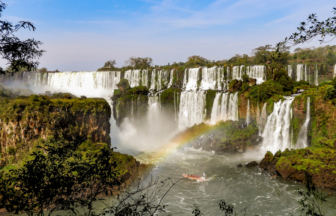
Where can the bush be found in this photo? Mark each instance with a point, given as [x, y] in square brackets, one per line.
[330, 92]
[123, 85]
[245, 78]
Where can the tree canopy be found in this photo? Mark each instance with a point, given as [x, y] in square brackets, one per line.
[18, 53]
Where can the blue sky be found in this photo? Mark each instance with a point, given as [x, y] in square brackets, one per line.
[83, 34]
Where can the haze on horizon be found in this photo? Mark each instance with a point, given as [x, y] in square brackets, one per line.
[82, 35]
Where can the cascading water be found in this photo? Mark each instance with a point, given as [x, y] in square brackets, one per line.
[191, 111]
[228, 75]
[154, 107]
[133, 77]
[193, 74]
[248, 113]
[263, 120]
[236, 73]
[302, 141]
[290, 71]
[316, 82]
[225, 107]
[171, 80]
[300, 72]
[153, 81]
[209, 78]
[84, 83]
[257, 72]
[276, 134]
[144, 79]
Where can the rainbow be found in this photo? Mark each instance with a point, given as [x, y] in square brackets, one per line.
[178, 142]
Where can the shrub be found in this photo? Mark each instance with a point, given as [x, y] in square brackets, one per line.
[330, 92]
[245, 78]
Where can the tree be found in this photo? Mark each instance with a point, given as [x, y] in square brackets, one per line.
[138, 62]
[59, 177]
[311, 29]
[18, 53]
[110, 64]
[44, 69]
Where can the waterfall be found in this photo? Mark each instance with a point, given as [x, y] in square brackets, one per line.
[144, 78]
[133, 77]
[209, 78]
[192, 105]
[84, 83]
[153, 81]
[228, 77]
[257, 72]
[215, 113]
[290, 71]
[191, 83]
[316, 82]
[263, 119]
[225, 107]
[220, 78]
[236, 73]
[306, 74]
[171, 78]
[185, 79]
[300, 72]
[248, 114]
[302, 141]
[276, 134]
[154, 107]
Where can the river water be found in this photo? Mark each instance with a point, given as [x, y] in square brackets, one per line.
[243, 187]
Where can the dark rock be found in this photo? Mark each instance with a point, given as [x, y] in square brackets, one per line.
[239, 165]
[252, 164]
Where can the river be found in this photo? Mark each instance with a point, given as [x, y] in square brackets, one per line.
[243, 187]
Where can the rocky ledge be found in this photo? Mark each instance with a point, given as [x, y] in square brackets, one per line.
[320, 163]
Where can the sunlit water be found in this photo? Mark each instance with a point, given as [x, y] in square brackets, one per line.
[244, 187]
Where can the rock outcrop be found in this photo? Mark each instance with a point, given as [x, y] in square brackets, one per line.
[24, 121]
[292, 164]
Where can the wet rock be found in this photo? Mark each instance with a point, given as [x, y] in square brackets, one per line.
[239, 165]
[273, 177]
[252, 82]
[252, 164]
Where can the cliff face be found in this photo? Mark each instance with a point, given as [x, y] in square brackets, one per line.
[24, 121]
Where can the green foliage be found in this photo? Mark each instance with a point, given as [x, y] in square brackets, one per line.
[123, 85]
[245, 78]
[265, 91]
[55, 177]
[330, 92]
[245, 87]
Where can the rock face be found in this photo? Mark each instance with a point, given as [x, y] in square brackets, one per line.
[24, 121]
[292, 164]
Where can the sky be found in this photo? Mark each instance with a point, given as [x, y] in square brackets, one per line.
[80, 35]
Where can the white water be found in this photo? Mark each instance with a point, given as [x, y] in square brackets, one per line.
[263, 119]
[225, 107]
[154, 107]
[171, 78]
[248, 113]
[276, 134]
[300, 75]
[228, 75]
[133, 77]
[84, 83]
[144, 80]
[153, 81]
[290, 71]
[192, 108]
[212, 78]
[191, 83]
[302, 141]
[257, 72]
[316, 82]
[236, 73]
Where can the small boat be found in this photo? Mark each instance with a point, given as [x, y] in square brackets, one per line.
[195, 177]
